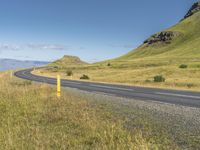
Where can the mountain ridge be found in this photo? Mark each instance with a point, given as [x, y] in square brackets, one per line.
[12, 64]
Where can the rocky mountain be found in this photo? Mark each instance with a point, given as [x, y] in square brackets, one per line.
[12, 64]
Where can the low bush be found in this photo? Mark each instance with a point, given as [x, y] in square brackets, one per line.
[85, 77]
[159, 78]
[147, 81]
[183, 66]
[108, 64]
[55, 67]
[69, 73]
[190, 85]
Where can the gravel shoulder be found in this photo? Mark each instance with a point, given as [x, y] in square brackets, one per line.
[178, 123]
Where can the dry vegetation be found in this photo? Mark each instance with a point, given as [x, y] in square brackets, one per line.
[176, 78]
[33, 118]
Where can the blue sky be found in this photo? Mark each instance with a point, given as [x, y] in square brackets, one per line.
[94, 30]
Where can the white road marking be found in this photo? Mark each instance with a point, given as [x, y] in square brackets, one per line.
[178, 95]
[114, 88]
[24, 73]
[71, 82]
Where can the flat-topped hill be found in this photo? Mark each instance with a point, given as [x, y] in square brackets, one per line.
[68, 61]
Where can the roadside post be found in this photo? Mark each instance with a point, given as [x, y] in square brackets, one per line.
[11, 74]
[58, 86]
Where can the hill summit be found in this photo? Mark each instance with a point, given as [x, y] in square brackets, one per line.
[194, 9]
[68, 61]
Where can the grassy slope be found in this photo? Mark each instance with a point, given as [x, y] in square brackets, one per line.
[139, 66]
[185, 46]
[33, 118]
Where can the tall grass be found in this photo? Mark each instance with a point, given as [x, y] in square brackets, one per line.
[31, 117]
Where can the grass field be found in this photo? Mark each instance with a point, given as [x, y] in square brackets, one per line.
[176, 78]
[33, 118]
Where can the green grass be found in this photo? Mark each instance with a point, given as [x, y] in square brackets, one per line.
[184, 46]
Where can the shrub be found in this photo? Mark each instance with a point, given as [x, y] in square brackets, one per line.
[108, 64]
[55, 67]
[84, 77]
[147, 80]
[69, 73]
[159, 78]
[183, 66]
[190, 85]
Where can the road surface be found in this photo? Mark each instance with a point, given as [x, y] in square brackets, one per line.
[185, 98]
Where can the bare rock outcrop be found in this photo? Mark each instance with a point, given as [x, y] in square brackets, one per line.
[194, 9]
[162, 37]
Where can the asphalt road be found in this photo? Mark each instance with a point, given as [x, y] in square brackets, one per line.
[185, 98]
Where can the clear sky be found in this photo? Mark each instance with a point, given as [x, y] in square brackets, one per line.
[94, 30]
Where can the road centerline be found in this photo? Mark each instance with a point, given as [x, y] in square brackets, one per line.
[109, 87]
[178, 95]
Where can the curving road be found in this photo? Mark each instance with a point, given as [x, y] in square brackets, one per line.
[185, 98]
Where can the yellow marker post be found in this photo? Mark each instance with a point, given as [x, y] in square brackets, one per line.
[58, 86]
[11, 74]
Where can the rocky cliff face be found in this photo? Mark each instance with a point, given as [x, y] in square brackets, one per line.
[162, 37]
[195, 8]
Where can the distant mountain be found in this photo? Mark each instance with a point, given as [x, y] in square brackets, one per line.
[12, 64]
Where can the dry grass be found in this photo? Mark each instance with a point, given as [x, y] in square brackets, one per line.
[176, 78]
[33, 118]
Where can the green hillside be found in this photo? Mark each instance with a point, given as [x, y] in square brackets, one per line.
[179, 41]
